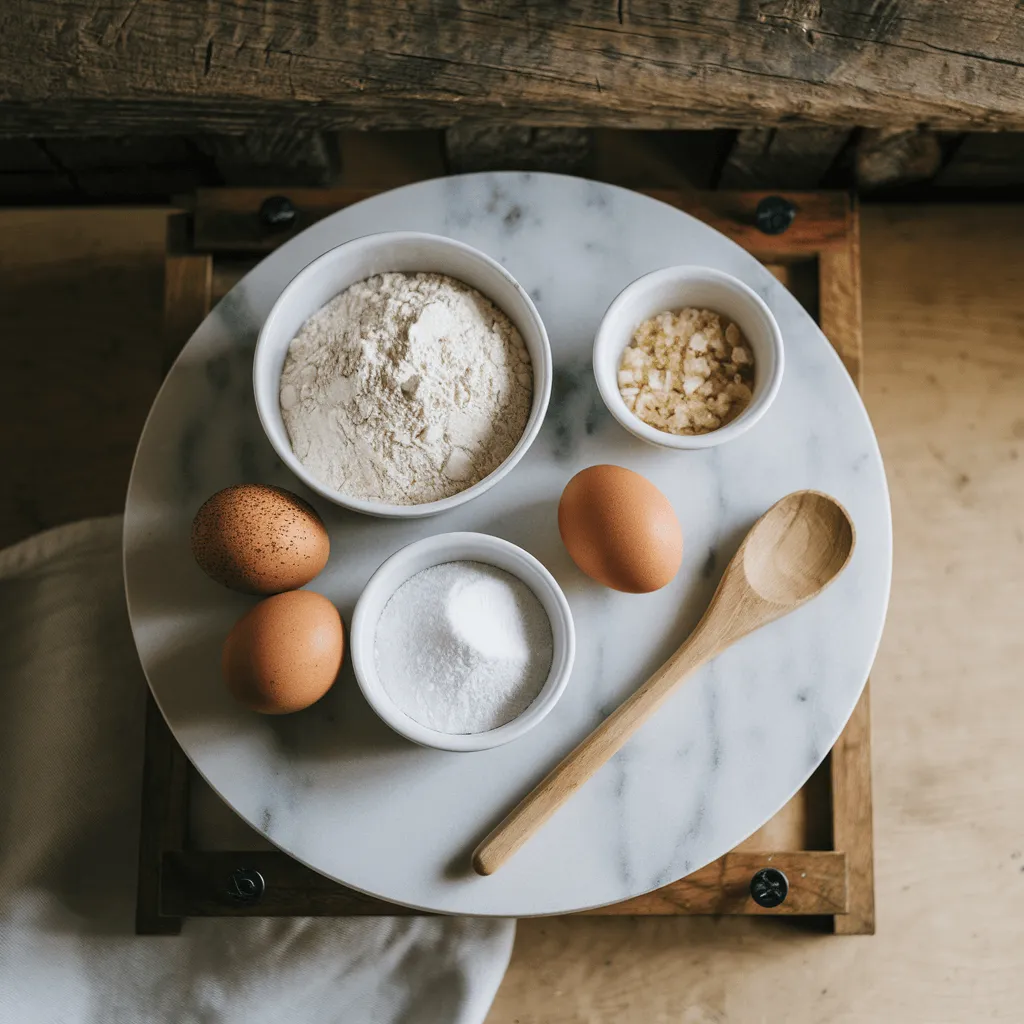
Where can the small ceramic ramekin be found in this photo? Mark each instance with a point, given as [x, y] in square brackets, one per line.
[675, 288]
[460, 547]
[408, 252]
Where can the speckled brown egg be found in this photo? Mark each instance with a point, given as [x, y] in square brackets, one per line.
[259, 539]
[620, 529]
[285, 653]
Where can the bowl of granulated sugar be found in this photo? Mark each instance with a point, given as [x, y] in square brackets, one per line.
[462, 641]
[402, 374]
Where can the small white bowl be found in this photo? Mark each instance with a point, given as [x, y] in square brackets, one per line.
[674, 288]
[460, 547]
[408, 252]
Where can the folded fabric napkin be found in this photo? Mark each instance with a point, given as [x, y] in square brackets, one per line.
[71, 725]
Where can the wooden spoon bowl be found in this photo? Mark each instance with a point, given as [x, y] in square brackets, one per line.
[798, 546]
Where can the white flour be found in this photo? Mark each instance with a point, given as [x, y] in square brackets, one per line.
[463, 647]
[406, 388]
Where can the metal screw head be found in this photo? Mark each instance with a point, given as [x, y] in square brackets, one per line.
[245, 885]
[769, 887]
[774, 215]
[277, 213]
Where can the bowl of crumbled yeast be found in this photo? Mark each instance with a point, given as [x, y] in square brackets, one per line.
[402, 374]
[688, 357]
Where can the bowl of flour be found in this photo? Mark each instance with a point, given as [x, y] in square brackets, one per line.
[402, 374]
[462, 641]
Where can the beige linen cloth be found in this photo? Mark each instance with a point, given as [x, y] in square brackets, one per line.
[71, 723]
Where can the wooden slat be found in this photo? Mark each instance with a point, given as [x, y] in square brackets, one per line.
[839, 298]
[821, 223]
[188, 285]
[227, 220]
[164, 821]
[196, 885]
[853, 819]
[96, 67]
[817, 886]
[850, 758]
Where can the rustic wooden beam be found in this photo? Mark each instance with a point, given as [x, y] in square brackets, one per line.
[108, 66]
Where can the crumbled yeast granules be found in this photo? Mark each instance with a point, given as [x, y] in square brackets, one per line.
[687, 372]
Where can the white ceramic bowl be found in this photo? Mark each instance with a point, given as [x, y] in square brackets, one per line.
[457, 547]
[674, 288]
[404, 251]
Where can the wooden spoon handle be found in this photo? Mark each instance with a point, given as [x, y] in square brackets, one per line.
[576, 767]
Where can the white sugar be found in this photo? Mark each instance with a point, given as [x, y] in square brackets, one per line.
[463, 647]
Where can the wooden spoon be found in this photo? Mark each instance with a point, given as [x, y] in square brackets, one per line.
[790, 555]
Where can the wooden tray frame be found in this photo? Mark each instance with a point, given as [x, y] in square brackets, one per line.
[822, 840]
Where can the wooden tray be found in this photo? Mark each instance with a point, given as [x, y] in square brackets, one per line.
[821, 840]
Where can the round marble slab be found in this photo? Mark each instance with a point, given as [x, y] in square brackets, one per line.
[333, 786]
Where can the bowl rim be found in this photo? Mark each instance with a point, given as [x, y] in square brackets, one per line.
[607, 382]
[534, 422]
[453, 547]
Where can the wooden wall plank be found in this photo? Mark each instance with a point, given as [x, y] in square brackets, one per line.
[103, 66]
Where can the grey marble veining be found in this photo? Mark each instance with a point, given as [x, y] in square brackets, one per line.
[335, 787]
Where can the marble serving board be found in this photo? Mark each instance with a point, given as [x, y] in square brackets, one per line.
[333, 786]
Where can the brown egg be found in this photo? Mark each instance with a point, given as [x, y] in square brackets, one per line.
[620, 529]
[259, 539]
[285, 653]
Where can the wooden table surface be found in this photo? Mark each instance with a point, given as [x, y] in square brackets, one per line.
[80, 298]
